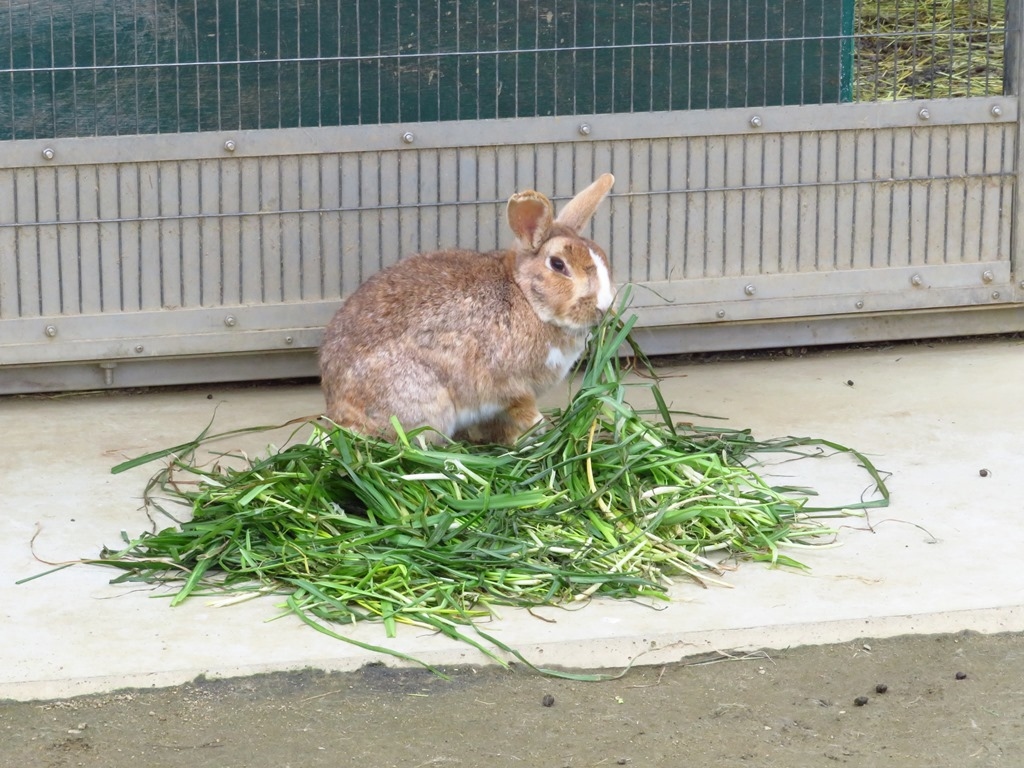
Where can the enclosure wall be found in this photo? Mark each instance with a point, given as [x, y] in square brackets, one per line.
[187, 191]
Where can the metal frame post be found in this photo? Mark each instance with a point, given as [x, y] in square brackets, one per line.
[1013, 80]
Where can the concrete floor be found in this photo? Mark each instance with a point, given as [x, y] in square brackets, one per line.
[945, 556]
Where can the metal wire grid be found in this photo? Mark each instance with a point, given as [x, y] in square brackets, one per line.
[111, 67]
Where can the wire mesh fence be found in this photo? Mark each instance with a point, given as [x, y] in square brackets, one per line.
[113, 67]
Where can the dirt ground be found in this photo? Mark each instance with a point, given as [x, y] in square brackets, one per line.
[951, 700]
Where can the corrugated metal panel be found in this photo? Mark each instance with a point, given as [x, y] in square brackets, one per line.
[142, 236]
[770, 224]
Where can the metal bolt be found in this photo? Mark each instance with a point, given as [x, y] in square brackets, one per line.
[48, 153]
[859, 305]
[584, 129]
[925, 114]
[916, 280]
[139, 349]
[108, 373]
[988, 276]
[720, 314]
[230, 321]
[750, 290]
[230, 145]
[755, 121]
[50, 330]
[996, 111]
[288, 340]
[995, 295]
[408, 137]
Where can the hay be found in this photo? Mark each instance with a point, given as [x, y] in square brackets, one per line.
[912, 49]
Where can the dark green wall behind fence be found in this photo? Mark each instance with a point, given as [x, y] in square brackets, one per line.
[109, 67]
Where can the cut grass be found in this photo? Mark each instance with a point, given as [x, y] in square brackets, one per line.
[929, 49]
[607, 501]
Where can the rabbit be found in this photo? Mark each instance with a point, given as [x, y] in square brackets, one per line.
[464, 342]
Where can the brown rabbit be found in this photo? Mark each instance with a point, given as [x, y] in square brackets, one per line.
[464, 342]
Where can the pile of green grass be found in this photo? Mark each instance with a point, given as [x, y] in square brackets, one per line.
[607, 501]
[929, 49]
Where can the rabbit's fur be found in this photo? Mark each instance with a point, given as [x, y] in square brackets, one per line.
[464, 342]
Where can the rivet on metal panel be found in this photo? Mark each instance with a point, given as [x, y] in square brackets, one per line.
[859, 304]
[988, 276]
[50, 330]
[750, 290]
[996, 111]
[916, 280]
[289, 340]
[584, 129]
[230, 145]
[139, 349]
[49, 154]
[408, 137]
[925, 113]
[755, 121]
[720, 314]
[230, 321]
[995, 295]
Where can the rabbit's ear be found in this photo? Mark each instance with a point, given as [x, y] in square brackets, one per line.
[578, 211]
[530, 215]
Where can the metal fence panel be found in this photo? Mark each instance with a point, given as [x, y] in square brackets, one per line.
[122, 252]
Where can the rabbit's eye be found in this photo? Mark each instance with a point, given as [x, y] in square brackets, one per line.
[558, 265]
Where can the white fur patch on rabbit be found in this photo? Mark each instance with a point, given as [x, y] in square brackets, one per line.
[562, 362]
[469, 417]
[605, 292]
